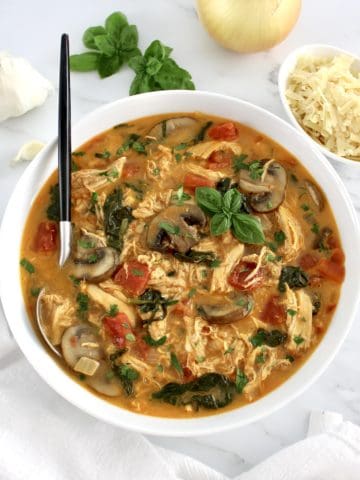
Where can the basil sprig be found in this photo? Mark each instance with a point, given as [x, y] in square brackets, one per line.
[155, 70]
[224, 211]
[110, 46]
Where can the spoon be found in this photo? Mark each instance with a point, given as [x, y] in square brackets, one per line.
[64, 168]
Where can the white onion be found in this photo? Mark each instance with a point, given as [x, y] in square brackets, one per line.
[248, 25]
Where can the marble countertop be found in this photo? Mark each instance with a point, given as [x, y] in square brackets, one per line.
[32, 29]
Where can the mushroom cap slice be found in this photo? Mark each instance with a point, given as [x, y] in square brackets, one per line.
[175, 228]
[103, 383]
[98, 265]
[172, 126]
[268, 191]
[80, 341]
[315, 195]
[223, 309]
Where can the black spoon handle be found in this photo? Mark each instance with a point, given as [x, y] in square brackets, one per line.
[64, 133]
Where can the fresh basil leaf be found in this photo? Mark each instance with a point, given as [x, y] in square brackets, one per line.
[127, 55]
[114, 24]
[175, 363]
[105, 45]
[138, 64]
[108, 65]
[153, 66]
[241, 380]
[158, 50]
[172, 77]
[232, 201]
[219, 224]
[90, 34]
[129, 38]
[247, 228]
[140, 84]
[84, 62]
[239, 164]
[208, 199]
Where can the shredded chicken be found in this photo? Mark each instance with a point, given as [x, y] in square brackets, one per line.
[205, 149]
[57, 314]
[160, 163]
[299, 320]
[153, 203]
[204, 172]
[294, 241]
[220, 274]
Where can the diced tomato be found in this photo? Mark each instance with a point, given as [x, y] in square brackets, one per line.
[118, 327]
[192, 181]
[182, 308]
[274, 311]
[133, 276]
[141, 347]
[219, 159]
[239, 276]
[224, 131]
[332, 268]
[130, 170]
[308, 260]
[46, 235]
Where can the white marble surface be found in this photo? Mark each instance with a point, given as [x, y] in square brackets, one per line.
[32, 29]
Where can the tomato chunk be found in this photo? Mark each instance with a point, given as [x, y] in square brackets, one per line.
[308, 260]
[118, 328]
[130, 170]
[219, 159]
[46, 235]
[332, 268]
[274, 311]
[133, 276]
[224, 131]
[239, 277]
[192, 181]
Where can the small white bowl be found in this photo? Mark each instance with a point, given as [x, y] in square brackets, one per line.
[286, 68]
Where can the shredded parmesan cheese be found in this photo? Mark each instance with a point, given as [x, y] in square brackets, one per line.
[324, 95]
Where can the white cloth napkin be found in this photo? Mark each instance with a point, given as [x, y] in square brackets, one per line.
[43, 437]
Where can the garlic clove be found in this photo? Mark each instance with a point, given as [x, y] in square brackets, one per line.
[28, 151]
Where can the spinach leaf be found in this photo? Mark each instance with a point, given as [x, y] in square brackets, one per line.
[272, 338]
[201, 135]
[116, 219]
[110, 47]
[294, 277]
[193, 256]
[127, 375]
[155, 70]
[210, 391]
[152, 304]
[53, 210]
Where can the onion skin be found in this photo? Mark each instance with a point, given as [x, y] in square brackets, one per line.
[249, 25]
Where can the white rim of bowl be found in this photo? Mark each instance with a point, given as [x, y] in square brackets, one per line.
[286, 68]
[86, 401]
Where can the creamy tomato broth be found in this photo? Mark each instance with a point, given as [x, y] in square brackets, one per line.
[206, 265]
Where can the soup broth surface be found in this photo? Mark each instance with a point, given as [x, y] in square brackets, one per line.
[206, 265]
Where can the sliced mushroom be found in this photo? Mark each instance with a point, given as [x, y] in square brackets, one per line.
[80, 341]
[97, 266]
[175, 228]
[222, 309]
[268, 191]
[179, 125]
[315, 195]
[103, 382]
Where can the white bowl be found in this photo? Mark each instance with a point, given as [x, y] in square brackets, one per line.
[288, 66]
[167, 102]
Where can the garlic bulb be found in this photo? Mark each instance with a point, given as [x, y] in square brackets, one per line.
[248, 25]
[21, 86]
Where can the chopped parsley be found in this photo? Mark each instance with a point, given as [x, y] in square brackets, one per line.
[298, 339]
[260, 358]
[192, 292]
[28, 266]
[156, 171]
[154, 343]
[83, 305]
[35, 291]
[241, 380]
[113, 310]
[170, 228]
[105, 155]
[93, 201]
[291, 312]
[175, 363]
[130, 337]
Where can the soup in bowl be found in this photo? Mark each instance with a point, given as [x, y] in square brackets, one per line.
[206, 265]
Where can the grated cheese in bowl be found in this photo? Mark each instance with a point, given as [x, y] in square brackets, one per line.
[324, 95]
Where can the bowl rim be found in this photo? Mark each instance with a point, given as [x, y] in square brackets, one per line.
[52, 374]
[285, 69]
